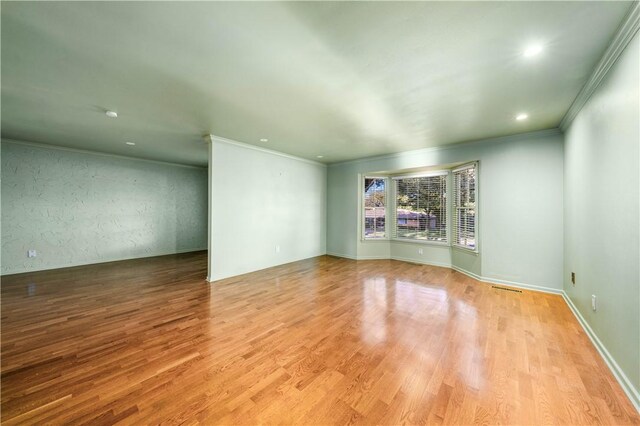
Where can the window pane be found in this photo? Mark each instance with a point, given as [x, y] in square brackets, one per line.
[421, 208]
[465, 207]
[374, 207]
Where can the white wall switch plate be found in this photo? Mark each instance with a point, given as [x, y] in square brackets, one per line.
[277, 249]
[594, 304]
[31, 253]
[420, 251]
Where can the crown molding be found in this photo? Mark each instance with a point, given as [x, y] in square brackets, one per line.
[214, 138]
[486, 141]
[626, 31]
[99, 153]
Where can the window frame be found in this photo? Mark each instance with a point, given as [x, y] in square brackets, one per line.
[391, 207]
[431, 173]
[454, 209]
[363, 215]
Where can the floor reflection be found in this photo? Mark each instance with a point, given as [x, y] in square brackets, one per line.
[374, 310]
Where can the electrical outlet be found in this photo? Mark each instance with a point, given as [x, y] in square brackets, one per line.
[277, 249]
[420, 251]
[594, 304]
[573, 278]
[31, 253]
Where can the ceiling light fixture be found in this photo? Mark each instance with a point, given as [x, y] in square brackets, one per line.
[532, 50]
[111, 114]
[522, 116]
[320, 156]
[130, 143]
[264, 140]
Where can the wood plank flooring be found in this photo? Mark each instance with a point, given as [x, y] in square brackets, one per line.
[321, 341]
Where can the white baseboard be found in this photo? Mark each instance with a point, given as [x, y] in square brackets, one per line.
[421, 262]
[373, 257]
[467, 273]
[623, 380]
[210, 279]
[490, 280]
[625, 383]
[346, 256]
[487, 280]
[387, 258]
[117, 259]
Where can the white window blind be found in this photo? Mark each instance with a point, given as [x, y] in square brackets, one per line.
[375, 202]
[464, 207]
[421, 208]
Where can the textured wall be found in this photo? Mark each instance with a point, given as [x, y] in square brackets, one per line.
[602, 207]
[77, 208]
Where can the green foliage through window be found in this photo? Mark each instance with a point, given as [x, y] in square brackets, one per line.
[375, 199]
[421, 208]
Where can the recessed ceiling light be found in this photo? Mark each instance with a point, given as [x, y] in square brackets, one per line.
[264, 140]
[130, 143]
[111, 114]
[532, 50]
[522, 116]
[320, 156]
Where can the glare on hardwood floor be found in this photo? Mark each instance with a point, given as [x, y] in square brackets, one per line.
[321, 341]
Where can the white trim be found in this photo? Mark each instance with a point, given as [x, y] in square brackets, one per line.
[421, 262]
[488, 280]
[467, 273]
[476, 225]
[346, 256]
[100, 153]
[402, 259]
[487, 141]
[623, 380]
[485, 280]
[626, 31]
[618, 373]
[362, 213]
[417, 241]
[465, 249]
[262, 268]
[471, 165]
[220, 139]
[121, 259]
[210, 206]
[443, 172]
[523, 286]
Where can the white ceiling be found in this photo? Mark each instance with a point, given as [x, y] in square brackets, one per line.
[340, 79]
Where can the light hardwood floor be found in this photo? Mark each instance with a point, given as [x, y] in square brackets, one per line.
[321, 341]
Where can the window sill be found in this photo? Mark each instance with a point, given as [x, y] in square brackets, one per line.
[466, 249]
[421, 242]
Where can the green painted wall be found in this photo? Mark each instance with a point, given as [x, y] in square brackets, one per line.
[77, 208]
[602, 213]
[520, 212]
[267, 209]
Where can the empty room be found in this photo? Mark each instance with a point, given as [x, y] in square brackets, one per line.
[316, 213]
